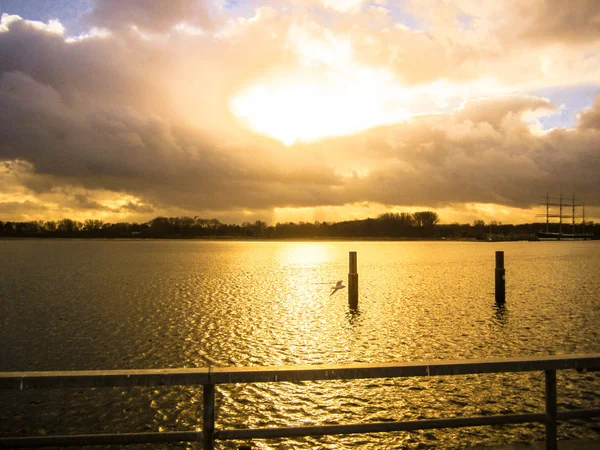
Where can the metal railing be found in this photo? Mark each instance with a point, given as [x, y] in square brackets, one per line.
[209, 378]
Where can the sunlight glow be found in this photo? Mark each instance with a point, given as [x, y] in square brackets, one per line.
[331, 93]
[121, 201]
[327, 94]
[350, 6]
[302, 110]
[307, 106]
[306, 255]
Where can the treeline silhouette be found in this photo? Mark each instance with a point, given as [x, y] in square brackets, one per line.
[418, 225]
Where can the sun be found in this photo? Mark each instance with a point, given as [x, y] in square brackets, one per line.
[307, 109]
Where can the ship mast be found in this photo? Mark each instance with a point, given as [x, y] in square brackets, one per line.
[547, 211]
[560, 215]
[573, 214]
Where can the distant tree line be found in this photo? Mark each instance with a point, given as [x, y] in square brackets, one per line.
[418, 225]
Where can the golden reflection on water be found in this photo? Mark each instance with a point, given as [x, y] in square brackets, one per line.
[304, 254]
[303, 307]
[192, 304]
[500, 316]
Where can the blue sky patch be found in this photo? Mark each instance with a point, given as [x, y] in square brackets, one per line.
[575, 100]
[67, 11]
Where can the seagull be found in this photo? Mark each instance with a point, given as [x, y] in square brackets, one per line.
[337, 287]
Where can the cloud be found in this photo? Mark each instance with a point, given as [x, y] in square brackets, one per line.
[137, 208]
[344, 6]
[83, 201]
[120, 149]
[102, 70]
[482, 153]
[21, 210]
[73, 135]
[556, 20]
[150, 15]
[124, 124]
[520, 44]
[53, 26]
[493, 111]
[590, 119]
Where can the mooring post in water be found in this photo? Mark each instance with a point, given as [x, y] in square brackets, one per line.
[353, 282]
[500, 278]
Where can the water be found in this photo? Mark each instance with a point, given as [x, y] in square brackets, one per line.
[78, 304]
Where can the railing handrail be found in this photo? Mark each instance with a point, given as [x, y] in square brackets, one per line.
[209, 377]
[262, 374]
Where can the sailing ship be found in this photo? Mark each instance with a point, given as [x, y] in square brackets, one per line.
[577, 230]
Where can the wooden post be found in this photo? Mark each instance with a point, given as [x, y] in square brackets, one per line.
[353, 282]
[500, 278]
[551, 409]
[208, 423]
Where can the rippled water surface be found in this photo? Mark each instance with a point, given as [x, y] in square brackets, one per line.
[78, 304]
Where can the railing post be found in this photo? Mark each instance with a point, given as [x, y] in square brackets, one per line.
[208, 422]
[551, 409]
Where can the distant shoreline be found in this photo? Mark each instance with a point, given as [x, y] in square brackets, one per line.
[224, 238]
[419, 226]
[267, 239]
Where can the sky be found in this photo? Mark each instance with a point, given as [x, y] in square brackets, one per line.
[298, 110]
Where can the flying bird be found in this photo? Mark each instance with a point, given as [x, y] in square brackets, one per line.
[337, 287]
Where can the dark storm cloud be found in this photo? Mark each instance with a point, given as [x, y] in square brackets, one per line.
[100, 70]
[134, 207]
[119, 149]
[484, 155]
[83, 201]
[88, 123]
